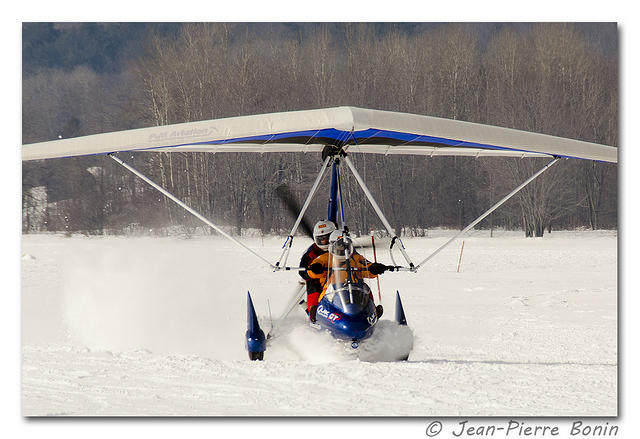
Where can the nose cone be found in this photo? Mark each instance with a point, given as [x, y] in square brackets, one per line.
[356, 326]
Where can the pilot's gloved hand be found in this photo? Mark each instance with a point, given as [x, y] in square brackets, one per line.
[317, 268]
[377, 268]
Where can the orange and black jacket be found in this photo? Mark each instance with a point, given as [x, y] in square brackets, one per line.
[314, 287]
[331, 276]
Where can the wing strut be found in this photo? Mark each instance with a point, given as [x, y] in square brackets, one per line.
[494, 207]
[185, 207]
[297, 297]
[312, 192]
[378, 210]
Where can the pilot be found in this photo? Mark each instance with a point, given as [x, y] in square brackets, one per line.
[321, 232]
[341, 249]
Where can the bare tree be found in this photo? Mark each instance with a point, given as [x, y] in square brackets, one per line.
[545, 78]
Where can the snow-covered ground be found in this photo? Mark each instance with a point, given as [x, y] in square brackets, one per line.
[155, 326]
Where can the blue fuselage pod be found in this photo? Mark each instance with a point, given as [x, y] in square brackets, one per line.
[347, 312]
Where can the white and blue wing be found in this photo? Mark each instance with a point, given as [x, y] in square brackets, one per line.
[355, 129]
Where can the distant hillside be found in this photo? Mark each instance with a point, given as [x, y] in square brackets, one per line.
[101, 46]
[104, 46]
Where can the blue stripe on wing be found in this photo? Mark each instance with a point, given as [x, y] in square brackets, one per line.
[332, 136]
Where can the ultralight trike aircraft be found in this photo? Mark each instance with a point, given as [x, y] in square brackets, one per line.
[345, 309]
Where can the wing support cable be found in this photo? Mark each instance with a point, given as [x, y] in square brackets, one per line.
[288, 243]
[185, 207]
[373, 202]
[494, 207]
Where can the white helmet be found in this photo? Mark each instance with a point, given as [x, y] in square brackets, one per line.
[340, 245]
[321, 233]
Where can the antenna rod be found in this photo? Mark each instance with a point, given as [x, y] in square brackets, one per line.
[375, 259]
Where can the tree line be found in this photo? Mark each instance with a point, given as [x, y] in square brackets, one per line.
[552, 78]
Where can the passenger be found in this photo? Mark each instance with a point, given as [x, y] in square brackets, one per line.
[321, 232]
[341, 250]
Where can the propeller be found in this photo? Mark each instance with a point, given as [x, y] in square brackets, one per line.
[293, 207]
[290, 201]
